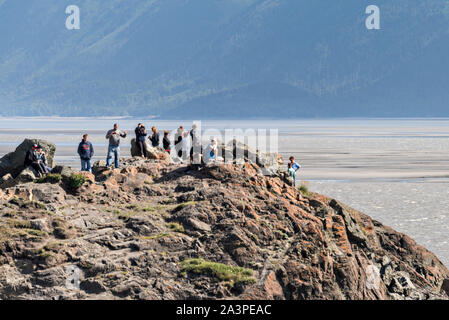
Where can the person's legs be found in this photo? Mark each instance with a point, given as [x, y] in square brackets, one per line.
[83, 165]
[117, 156]
[144, 149]
[36, 167]
[110, 155]
[39, 167]
[140, 147]
[89, 165]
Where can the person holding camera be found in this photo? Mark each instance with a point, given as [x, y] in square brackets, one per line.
[114, 136]
[141, 133]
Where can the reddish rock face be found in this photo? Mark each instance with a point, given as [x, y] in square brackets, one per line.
[128, 231]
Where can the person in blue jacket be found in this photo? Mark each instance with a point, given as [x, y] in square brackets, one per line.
[86, 152]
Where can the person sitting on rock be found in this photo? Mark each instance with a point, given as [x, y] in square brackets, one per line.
[141, 133]
[114, 145]
[166, 142]
[33, 160]
[211, 152]
[154, 137]
[43, 159]
[86, 152]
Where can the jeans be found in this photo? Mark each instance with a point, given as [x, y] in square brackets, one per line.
[86, 165]
[113, 151]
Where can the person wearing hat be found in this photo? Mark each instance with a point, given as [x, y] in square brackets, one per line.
[34, 159]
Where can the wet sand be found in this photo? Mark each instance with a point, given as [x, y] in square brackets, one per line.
[396, 171]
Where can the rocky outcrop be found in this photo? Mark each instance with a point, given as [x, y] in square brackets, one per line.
[12, 163]
[270, 164]
[12, 170]
[129, 233]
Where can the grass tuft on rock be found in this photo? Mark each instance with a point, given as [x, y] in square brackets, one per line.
[176, 227]
[185, 204]
[76, 180]
[49, 178]
[222, 272]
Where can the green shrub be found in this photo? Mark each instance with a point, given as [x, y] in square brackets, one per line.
[304, 190]
[229, 274]
[49, 178]
[76, 180]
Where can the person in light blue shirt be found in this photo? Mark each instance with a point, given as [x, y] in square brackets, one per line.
[292, 168]
[296, 166]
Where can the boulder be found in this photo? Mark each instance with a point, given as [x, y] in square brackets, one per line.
[27, 175]
[89, 176]
[152, 153]
[64, 171]
[12, 163]
[99, 167]
[270, 163]
[6, 179]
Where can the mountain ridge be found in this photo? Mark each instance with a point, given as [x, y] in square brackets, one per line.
[161, 58]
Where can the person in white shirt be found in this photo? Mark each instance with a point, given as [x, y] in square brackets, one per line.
[211, 152]
[185, 145]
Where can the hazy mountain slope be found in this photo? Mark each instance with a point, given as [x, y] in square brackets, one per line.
[258, 58]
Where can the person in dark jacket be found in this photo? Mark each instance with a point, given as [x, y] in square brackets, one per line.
[33, 159]
[141, 133]
[86, 152]
[154, 137]
[166, 142]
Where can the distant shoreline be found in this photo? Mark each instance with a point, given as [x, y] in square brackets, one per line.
[121, 117]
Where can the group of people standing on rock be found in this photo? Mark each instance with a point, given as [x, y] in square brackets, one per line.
[181, 141]
[181, 144]
[37, 160]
